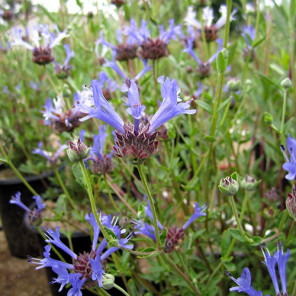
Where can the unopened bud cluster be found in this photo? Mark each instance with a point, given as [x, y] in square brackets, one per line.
[77, 150]
[229, 185]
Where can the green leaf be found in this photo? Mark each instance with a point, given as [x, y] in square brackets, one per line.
[257, 240]
[225, 243]
[79, 177]
[147, 250]
[236, 234]
[205, 106]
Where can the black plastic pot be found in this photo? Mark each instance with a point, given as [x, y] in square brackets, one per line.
[21, 240]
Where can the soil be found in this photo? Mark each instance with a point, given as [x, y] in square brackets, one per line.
[19, 278]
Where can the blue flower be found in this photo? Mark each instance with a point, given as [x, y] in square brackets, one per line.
[270, 262]
[52, 159]
[87, 266]
[169, 107]
[34, 215]
[290, 165]
[37, 32]
[174, 235]
[244, 284]
[249, 34]
[280, 259]
[58, 117]
[77, 284]
[16, 199]
[198, 212]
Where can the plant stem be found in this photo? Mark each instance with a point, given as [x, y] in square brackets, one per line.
[155, 82]
[56, 171]
[110, 195]
[92, 200]
[238, 222]
[15, 170]
[120, 289]
[283, 116]
[227, 26]
[144, 181]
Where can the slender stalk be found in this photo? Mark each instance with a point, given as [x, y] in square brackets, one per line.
[283, 116]
[144, 180]
[56, 171]
[92, 200]
[15, 170]
[120, 289]
[110, 195]
[238, 222]
[155, 82]
[227, 26]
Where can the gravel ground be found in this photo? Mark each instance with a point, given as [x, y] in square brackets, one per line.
[19, 278]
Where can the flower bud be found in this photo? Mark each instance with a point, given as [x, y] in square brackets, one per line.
[291, 203]
[233, 84]
[229, 186]
[249, 183]
[77, 150]
[286, 83]
[108, 281]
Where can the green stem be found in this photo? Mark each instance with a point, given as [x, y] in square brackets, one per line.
[92, 200]
[120, 289]
[144, 181]
[155, 82]
[56, 171]
[181, 273]
[227, 26]
[283, 116]
[238, 222]
[110, 195]
[15, 170]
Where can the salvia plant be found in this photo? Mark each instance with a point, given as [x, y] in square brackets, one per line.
[168, 132]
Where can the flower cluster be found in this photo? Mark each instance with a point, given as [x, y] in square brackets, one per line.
[86, 269]
[34, 215]
[59, 118]
[244, 283]
[204, 68]
[154, 48]
[126, 49]
[41, 52]
[135, 141]
[175, 235]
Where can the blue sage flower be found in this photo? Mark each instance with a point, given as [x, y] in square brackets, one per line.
[278, 259]
[135, 141]
[155, 48]
[41, 52]
[125, 49]
[175, 235]
[33, 216]
[86, 270]
[203, 68]
[59, 118]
